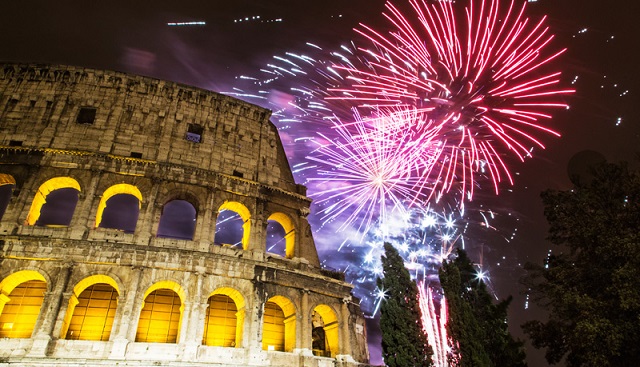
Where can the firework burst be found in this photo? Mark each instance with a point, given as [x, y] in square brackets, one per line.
[479, 74]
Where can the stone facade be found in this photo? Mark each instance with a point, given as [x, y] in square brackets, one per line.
[103, 133]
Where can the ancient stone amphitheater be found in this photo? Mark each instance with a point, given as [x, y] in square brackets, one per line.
[148, 223]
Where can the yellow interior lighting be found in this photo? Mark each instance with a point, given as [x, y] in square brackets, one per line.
[44, 190]
[279, 325]
[331, 329]
[220, 322]
[92, 316]
[6, 179]
[161, 314]
[115, 190]
[91, 309]
[21, 296]
[245, 214]
[289, 232]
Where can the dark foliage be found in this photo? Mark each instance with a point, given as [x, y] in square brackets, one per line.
[476, 325]
[592, 287]
[403, 342]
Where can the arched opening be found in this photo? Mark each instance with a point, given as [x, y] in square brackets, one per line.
[91, 309]
[178, 220]
[7, 184]
[224, 319]
[161, 314]
[233, 225]
[281, 235]
[324, 334]
[54, 203]
[21, 296]
[279, 325]
[229, 229]
[275, 239]
[119, 208]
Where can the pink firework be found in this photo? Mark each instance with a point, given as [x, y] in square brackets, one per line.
[481, 75]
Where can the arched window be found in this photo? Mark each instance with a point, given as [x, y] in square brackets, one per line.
[221, 321]
[281, 235]
[229, 229]
[21, 296]
[160, 317]
[119, 208]
[275, 238]
[233, 225]
[279, 325]
[178, 220]
[324, 335]
[54, 203]
[92, 316]
[7, 184]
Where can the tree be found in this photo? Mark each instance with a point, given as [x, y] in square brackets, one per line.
[404, 344]
[592, 287]
[477, 327]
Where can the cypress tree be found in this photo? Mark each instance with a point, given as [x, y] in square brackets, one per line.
[404, 343]
[477, 326]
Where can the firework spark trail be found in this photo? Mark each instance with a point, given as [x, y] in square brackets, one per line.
[434, 326]
[476, 69]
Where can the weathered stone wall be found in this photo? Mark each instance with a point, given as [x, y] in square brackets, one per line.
[138, 138]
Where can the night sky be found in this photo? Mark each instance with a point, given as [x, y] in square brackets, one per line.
[134, 36]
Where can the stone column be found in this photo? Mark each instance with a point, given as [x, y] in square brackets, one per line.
[305, 337]
[257, 235]
[84, 215]
[345, 350]
[51, 308]
[146, 219]
[125, 320]
[206, 224]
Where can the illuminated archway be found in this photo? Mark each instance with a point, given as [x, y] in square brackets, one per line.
[224, 318]
[40, 199]
[245, 216]
[91, 310]
[7, 184]
[110, 215]
[21, 296]
[325, 331]
[178, 220]
[161, 314]
[279, 325]
[289, 232]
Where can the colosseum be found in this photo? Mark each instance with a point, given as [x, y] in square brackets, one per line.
[147, 223]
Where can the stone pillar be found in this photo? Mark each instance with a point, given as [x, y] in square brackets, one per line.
[125, 319]
[257, 235]
[305, 337]
[146, 219]
[84, 215]
[51, 308]
[206, 224]
[345, 350]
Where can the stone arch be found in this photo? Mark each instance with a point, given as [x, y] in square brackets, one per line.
[118, 189]
[7, 184]
[18, 319]
[161, 313]
[91, 310]
[279, 324]
[224, 322]
[44, 190]
[289, 232]
[325, 331]
[244, 214]
[170, 217]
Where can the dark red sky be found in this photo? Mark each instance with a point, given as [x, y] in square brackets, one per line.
[133, 36]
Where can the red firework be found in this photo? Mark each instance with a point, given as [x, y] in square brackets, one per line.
[478, 72]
